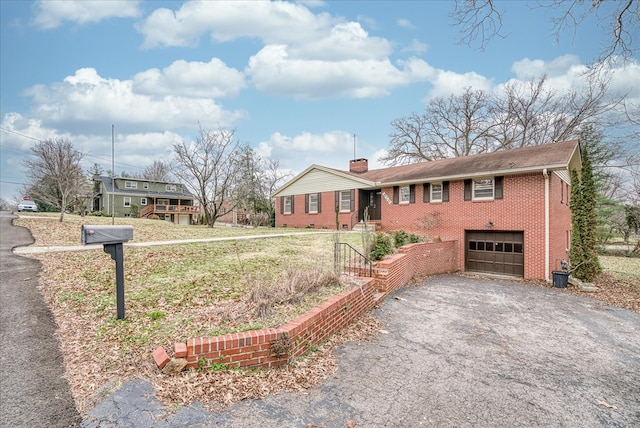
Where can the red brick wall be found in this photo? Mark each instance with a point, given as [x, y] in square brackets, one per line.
[326, 218]
[521, 209]
[320, 323]
[559, 222]
[415, 260]
[275, 347]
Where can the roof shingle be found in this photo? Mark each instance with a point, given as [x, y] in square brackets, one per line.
[553, 155]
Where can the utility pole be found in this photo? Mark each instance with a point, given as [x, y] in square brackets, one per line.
[113, 177]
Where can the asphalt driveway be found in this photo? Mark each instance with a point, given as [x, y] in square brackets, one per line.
[455, 351]
[33, 390]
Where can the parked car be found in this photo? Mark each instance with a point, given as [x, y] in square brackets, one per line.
[27, 206]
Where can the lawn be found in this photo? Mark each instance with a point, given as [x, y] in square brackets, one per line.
[174, 292]
[48, 231]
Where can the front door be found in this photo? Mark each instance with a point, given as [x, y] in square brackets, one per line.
[373, 203]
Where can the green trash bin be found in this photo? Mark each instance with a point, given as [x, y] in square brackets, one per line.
[560, 278]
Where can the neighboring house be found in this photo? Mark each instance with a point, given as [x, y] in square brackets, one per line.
[508, 210]
[133, 197]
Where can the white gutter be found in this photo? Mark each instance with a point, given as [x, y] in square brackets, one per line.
[546, 224]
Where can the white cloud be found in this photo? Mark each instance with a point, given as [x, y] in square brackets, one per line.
[327, 142]
[446, 83]
[86, 97]
[264, 150]
[191, 79]
[566, 72]
[417, 47]
[527, 69]
[405, 23]
[305, 55]
[51, 14]
[272, 22]
[307, 35]
[272, 70]
[374, 162]
[332, 149]
[343, 41]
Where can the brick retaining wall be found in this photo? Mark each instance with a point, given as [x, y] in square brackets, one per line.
[272, 347]
[415, 260]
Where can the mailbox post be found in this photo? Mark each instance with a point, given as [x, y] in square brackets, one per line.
[111, 238]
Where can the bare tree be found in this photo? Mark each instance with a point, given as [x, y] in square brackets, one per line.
[157, 171]
[524, 114]
[480, 21]
[531, 114]
[55, 174]
[207, 167]
[256, 180]
[456, 126]
[274, 176]
[409, 141]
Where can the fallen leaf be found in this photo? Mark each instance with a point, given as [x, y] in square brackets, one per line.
[605, 404]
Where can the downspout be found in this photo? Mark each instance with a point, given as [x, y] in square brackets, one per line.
[546, 224]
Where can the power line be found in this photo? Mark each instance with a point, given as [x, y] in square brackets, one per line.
[10, 131]
[12, 182]
[136, 167]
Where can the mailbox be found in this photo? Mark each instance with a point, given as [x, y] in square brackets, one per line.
[111, 238]
[106, 234]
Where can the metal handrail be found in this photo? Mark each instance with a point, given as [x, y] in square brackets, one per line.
[348, 260]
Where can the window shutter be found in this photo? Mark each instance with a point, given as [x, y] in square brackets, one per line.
[337, 201]
[293, 198]
[445, 191]
[396, 194]
[425, 192]
[467, 190]
[352, 197]
[306, 203]
[497, 182]
[319, 202]
[281, 204]
[412, 194]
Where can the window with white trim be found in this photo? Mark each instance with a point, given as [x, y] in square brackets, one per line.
[405, 195]
[127, 201]
[313, 203]
[145, 185]
[436, 192]
[483, 188]
[345, 201]
[287, 204]
[130, 185]
[143, 201]
[171, 187]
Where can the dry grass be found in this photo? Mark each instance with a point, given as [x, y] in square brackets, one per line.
[181, 291]
[619, 282]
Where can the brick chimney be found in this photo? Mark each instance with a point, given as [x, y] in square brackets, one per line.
[359, 165]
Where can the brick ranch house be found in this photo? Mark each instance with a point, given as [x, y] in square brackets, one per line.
[509, 208]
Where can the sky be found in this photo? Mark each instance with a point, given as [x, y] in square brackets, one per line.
[310, 82]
